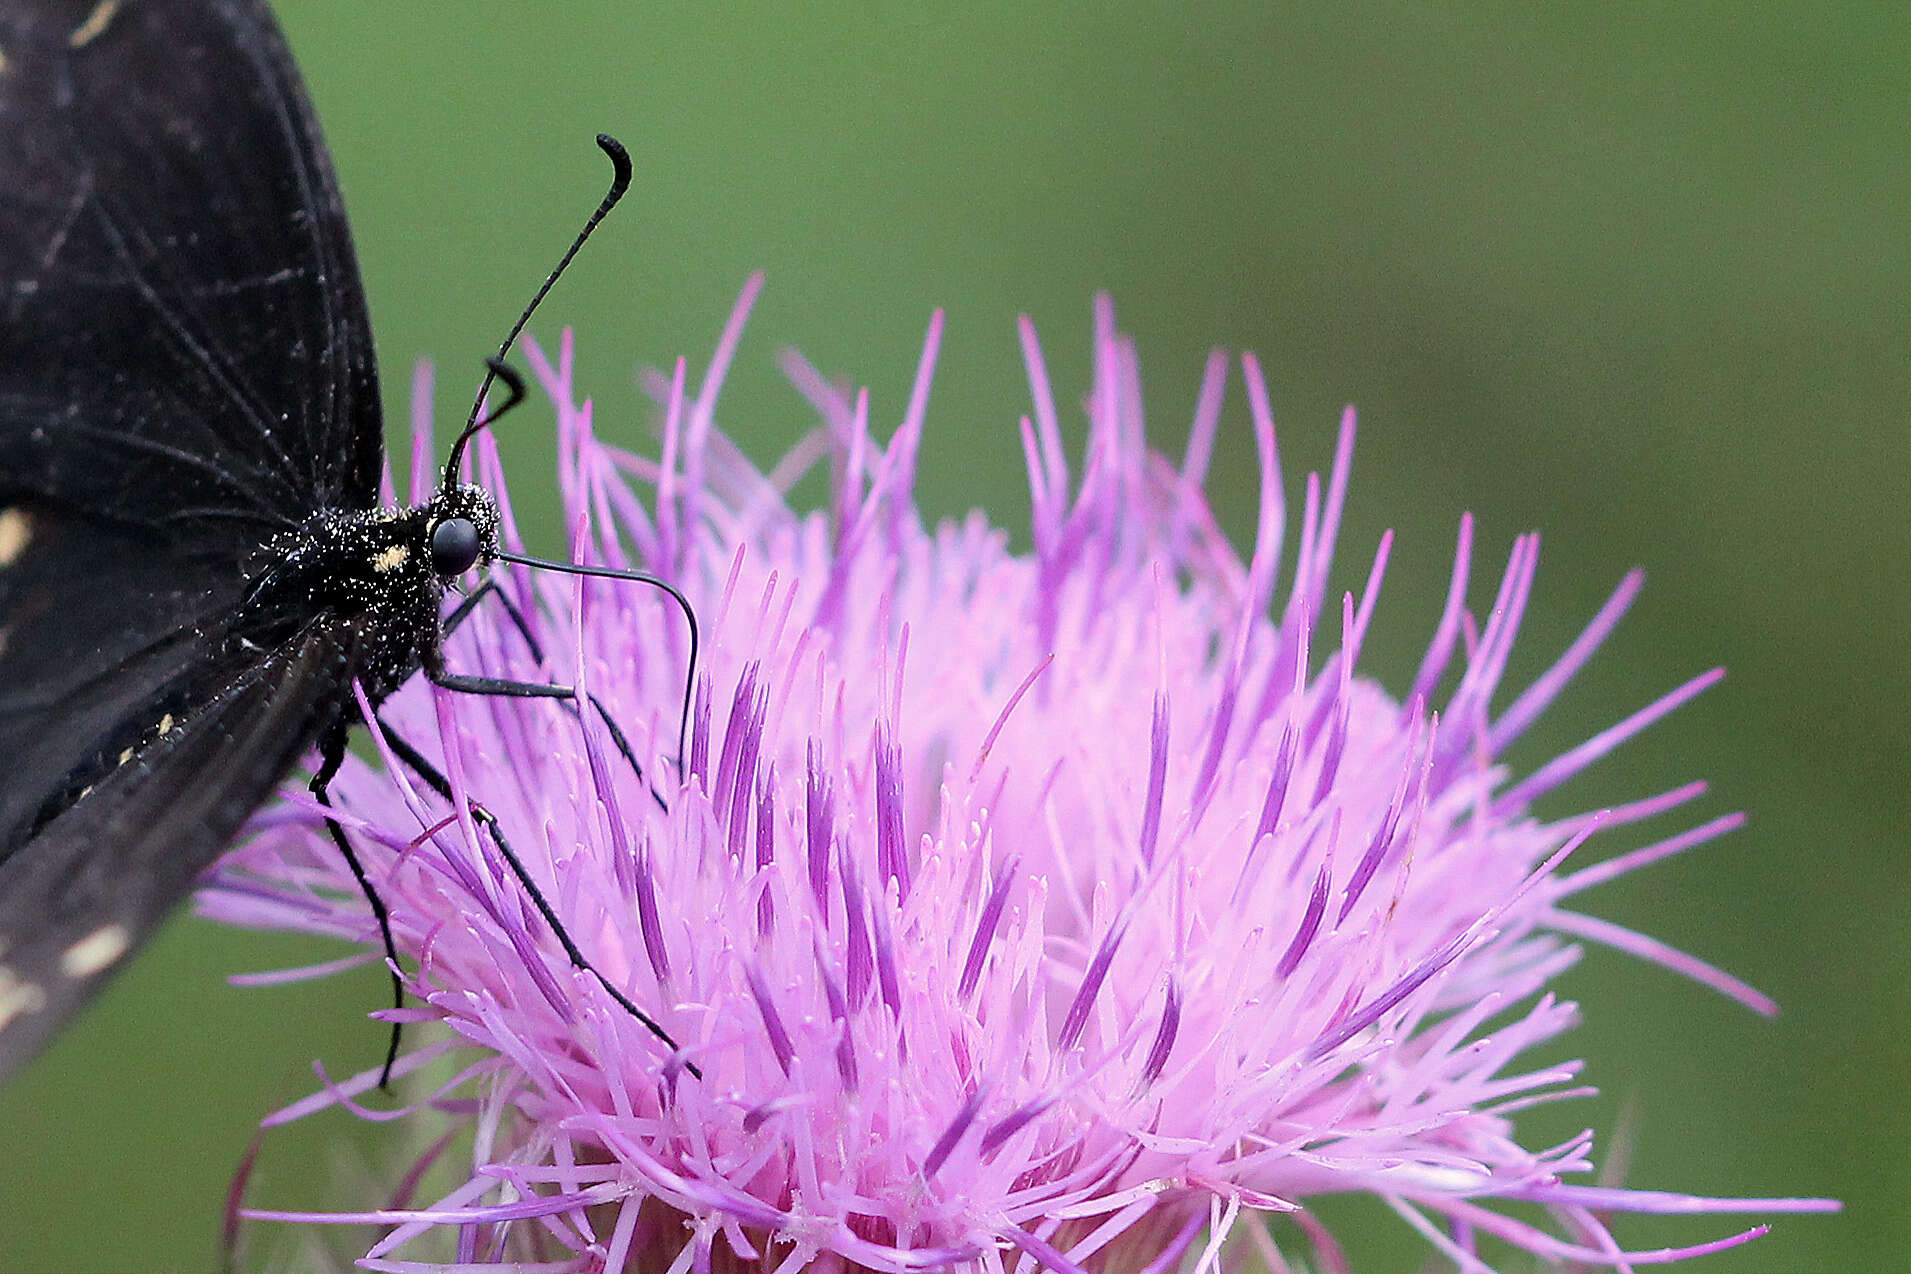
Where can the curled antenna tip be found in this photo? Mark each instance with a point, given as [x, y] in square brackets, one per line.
[620, 182]
[619, 160]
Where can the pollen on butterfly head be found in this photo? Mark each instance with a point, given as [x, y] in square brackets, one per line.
[389, 559]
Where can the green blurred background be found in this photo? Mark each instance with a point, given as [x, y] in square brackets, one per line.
[1633, 275]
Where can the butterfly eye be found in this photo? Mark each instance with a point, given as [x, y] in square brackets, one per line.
[454, 546]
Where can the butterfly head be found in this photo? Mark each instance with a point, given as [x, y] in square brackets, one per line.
[462, 523]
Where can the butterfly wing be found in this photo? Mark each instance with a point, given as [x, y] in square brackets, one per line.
[183, 337]
[96, 880]
[185, 370]
[103, 634]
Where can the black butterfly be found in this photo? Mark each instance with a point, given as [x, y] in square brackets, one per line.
[194, 567]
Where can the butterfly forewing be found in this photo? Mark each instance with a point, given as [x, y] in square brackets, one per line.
[186, 378]
[183, 338]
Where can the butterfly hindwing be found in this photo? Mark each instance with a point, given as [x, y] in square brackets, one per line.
[103, 633]
[95, 882]
[183, 336]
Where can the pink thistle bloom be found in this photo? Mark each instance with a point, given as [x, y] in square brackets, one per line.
[1080, 909]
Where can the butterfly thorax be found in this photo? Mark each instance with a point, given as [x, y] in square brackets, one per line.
[382, 570]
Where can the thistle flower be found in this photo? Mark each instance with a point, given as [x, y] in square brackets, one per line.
[1078, 909]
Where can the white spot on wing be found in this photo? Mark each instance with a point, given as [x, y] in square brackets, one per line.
[389, 560]
[17, 997]
[96, 23]
[166, 723]
[95, 951]
[16, 531]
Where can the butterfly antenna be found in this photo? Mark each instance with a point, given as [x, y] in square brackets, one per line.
[478, 419]
[513, 395]
[655, 581]
[514, 391]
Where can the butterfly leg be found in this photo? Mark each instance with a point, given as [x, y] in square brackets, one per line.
[497, 686]
[332, 756]
[434, 778]
[488, 587]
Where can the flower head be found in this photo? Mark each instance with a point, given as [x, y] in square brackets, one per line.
[1081, 908]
